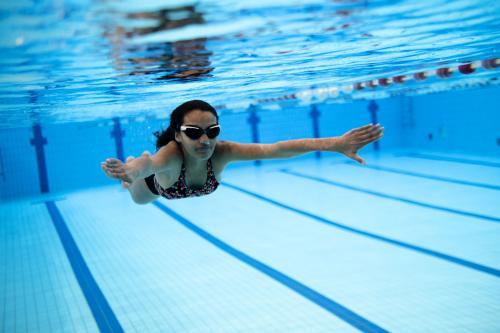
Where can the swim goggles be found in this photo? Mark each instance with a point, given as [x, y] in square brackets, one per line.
[195, 132]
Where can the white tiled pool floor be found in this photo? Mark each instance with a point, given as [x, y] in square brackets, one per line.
[406, 244]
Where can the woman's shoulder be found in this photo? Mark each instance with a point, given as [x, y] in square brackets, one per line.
[172, 150]
[172, 153]
[222, 154]
[221, 149]
[224, 146]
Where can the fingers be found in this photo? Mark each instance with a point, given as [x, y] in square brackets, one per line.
[362, 136]
[111, 167]
[370, 133]
[112, 172]
[115, 169]
[374, 137]
[105, 169]
[113, 161]
[118, 174]
[365, 132]
[357, 158]
[371, 128]
[362, 128]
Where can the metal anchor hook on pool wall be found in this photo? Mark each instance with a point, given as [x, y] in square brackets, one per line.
[118, 134]
[253, 120]
[39, 141]
[315, 119]
[373, 108]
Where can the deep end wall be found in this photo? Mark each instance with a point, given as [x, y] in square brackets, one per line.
[462, 122]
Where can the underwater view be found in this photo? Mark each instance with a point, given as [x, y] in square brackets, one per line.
[249, 166]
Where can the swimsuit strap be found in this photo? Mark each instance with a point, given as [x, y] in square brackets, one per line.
[183, 172]
[209, 166]
[211, 172]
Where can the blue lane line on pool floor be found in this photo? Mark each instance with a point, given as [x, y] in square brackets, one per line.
[326, 303]
[391, 197]
[102, 312]
[423, 175]
[452, 159]
[435, 254]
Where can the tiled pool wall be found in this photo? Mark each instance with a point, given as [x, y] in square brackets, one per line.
[463, 122]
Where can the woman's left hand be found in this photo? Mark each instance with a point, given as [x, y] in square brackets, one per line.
[357, 138]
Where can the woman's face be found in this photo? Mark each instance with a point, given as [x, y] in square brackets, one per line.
[203, 147]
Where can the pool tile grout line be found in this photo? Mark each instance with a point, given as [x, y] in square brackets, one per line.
[103, 314]
[432, 253]
[391, 197]
[423, 175]
[324, 302]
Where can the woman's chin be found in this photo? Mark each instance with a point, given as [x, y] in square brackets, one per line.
[205, 153]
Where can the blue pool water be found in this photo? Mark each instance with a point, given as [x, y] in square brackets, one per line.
[63, 61]
[316, 243]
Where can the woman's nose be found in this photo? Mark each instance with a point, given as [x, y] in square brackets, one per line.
[204, 139]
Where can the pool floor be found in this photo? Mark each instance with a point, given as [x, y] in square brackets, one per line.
[408, 243]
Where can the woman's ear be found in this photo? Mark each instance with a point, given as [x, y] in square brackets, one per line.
[178, 137]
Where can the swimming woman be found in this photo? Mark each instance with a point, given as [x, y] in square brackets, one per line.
[189, 159]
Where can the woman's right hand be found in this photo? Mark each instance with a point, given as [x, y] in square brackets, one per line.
[116, 169]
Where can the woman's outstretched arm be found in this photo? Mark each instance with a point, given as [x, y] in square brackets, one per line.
[348, 144]
[166, 158]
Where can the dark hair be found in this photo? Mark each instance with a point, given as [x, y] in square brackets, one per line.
[177, 116]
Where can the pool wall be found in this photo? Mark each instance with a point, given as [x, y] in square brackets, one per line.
[464, 122]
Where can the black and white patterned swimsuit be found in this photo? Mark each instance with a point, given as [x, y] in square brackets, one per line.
[180, 189]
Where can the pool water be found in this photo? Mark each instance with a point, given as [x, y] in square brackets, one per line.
[315, 243]
[80, 60]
